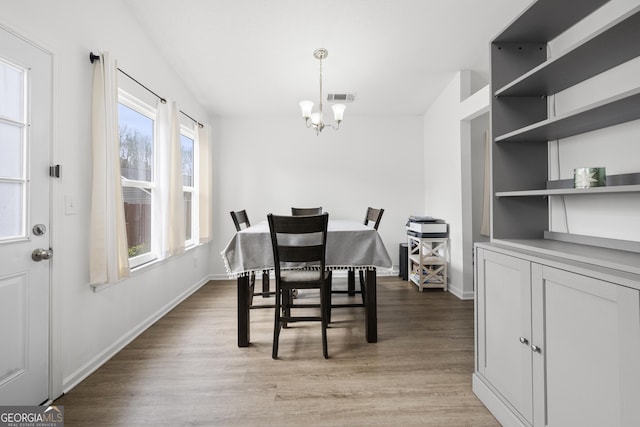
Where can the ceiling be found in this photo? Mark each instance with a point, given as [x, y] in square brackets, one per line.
[255, 57]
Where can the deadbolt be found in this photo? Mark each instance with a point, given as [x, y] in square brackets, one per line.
[39, 229]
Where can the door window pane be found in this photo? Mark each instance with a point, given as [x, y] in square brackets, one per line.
[137, 212]
[136, 144]
[11, 92]
[11, 210]
[12, 149]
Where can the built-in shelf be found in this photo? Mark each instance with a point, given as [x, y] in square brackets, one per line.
[536, 270]
[617, 109]
[607, 48]
[571, 191]
[612, 180]
[544, 21]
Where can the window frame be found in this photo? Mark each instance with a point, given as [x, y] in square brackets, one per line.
[139, 106]
[189, 132]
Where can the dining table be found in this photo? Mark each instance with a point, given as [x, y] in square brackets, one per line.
[351, 246]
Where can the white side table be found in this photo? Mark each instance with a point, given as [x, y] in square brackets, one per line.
[427, 261]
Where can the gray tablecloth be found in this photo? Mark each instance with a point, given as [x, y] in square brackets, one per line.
[350, 244]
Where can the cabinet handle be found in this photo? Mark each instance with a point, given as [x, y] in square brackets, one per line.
[535, 348]
[524, 341]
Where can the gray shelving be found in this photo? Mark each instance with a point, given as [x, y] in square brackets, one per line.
[521, 77]
[544, 20]
[611, 46]
[571, 191]
[618, 109]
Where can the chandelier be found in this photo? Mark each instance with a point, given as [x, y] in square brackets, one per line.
[315, 120]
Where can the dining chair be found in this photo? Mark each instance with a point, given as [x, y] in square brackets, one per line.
[306, 211]
[240, 218]
[241, 221]
[373, 216]
[299, 248]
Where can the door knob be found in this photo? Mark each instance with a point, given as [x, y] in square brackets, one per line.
[40, 254]
[535, 348]
[524, 341]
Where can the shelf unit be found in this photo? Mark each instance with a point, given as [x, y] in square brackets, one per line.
[522, 77]
[533, 284]
[427, 262]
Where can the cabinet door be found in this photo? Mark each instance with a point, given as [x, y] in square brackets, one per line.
[504, 328]
[586, 372]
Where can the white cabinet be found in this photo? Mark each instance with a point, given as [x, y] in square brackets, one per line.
[504, 317]
[427, 261]
[555, 347]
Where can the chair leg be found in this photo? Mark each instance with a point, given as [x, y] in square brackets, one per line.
[327, 292]
[362, 287]
[324, 293]
[265, 283]
[276, 326]
[252, 288]
[351, 283]
[287, 300]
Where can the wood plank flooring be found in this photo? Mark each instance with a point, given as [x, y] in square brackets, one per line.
[187, 370]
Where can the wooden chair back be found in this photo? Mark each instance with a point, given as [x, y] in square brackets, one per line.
[373, 216]
[306, 211]
[240, 218]
[298, 239]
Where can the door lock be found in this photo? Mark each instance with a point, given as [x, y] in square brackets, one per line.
[39, 229]
[40, 254]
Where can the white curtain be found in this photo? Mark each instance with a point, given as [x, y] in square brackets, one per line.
[485, 228]
[204, 174]
[160, 198]
[108, 248]
[170, 195]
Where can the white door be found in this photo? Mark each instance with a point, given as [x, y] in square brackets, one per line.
[25, 132]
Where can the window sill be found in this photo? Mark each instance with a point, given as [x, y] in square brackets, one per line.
[144, 267]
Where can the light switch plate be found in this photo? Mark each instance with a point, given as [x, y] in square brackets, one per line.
[70, 205]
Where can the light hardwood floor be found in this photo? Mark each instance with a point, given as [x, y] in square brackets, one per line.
[188, 370]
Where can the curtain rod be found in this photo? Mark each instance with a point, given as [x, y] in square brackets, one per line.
[93, 58]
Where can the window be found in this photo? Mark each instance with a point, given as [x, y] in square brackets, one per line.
[13, 145]
[189, 184]
[143, 164]
[137, 163]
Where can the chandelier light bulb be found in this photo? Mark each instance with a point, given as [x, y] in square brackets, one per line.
[338, 111]
[306, 107]
[316, 118]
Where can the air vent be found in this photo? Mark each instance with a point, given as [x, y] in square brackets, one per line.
[341, 97]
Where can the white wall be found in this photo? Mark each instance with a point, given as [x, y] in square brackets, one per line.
[268, 164]
[88, 327]
[443, 172]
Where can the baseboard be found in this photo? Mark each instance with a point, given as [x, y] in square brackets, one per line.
[463, 295]
[69, 382]
[497, 408]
